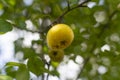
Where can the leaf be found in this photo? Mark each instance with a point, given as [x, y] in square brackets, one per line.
[18, 44]
[11, 2]
[55, 73]
[5, 26]
[28, 52]
[22, 72]
[14, 64]
[36, 66]
[11, 71]
[5, 77]
[21, 24]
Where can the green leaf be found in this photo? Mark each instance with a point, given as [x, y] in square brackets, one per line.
[28, 52]
[21, 24]
[55, 73]
[22, 72]
[18, 44]
[14, 64]
[11, 71]
[11, 2]
[5, 26]
[36, 66]
[5, 77]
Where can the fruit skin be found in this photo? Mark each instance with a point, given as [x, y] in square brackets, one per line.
[56, 55]
[60, 36]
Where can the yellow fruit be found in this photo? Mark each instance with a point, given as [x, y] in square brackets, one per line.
[60, 36]
[56, 55]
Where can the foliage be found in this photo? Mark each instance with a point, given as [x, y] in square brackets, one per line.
[94, 27]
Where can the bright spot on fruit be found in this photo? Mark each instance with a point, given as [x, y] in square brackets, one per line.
[102, 70]
[105, 47]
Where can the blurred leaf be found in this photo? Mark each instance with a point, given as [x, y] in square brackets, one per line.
[55, 73]
[11, 71]
[5, 26]
[21, 24]
[4, 77]
[22, 73]
[18, 44]
[14, 64]
[36, 42]
[36, 65]
[28, 52]
[56, 10]
[11, 2]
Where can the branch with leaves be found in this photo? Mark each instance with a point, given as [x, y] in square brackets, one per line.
[69, 9]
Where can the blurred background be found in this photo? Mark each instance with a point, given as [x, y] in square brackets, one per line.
[93, 55]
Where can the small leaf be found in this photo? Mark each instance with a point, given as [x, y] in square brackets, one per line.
[4, 77]
[21, 24]
[5, 26]
[55, 73]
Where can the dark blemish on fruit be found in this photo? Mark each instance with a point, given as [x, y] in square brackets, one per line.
[63, 42]
[55, 53]
[57, 46]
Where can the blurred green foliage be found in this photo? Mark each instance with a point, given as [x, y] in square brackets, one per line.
[93, 28]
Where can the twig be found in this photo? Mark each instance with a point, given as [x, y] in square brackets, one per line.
[68, 4]
[84, 64]
[48, 65]
[113, 13]
[86, 61]
[67, 11]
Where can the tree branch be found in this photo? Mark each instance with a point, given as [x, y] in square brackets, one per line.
[68, 4]
[113, 13]
[67, 11]
[48, 65]
[84, 64]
